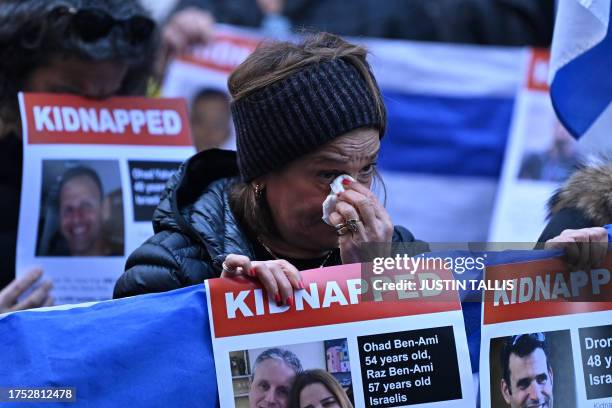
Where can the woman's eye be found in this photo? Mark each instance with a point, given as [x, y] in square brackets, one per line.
[369, 169]
[328, 176]
[330, 403]
[367, 172]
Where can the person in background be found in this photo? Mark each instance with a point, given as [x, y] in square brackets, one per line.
[85, 47]
[193, 22]
[556, 163]
[273, 374]
[184, 28]
[318, 389]
[211, 120]
[274, 24]
[491, 22]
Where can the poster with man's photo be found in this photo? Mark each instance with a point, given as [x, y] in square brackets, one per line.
[200, 76]
[540, 155]
[92, 178]
[81, 211]
[340, 341]
[548, 341]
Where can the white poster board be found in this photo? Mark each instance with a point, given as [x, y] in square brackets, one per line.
[540, 155]
[92, 177]
[547, 342]
[390, 349]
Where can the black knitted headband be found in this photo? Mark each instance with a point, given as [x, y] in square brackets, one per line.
[296, 115]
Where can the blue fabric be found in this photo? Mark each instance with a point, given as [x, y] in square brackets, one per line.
[151, 350]
[445, 135]
[146, 351]
[582, 89]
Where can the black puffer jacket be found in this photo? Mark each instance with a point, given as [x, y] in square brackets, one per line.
[195, 229]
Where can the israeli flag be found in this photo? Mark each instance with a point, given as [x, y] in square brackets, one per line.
[450, 108]
[581, 69]
[144, 351]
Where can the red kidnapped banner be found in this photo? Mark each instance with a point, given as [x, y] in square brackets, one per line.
[69, 119]
[224, 53]
[537, 78]
[546, 288]
[331, 296]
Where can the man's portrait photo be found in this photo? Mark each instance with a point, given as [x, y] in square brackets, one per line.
[275, 377]
[532, 370]
[81, 211]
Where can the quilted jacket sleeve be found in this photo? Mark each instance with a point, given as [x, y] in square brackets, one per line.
[168, 260]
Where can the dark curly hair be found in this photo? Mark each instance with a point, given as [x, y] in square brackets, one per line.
[30, 37]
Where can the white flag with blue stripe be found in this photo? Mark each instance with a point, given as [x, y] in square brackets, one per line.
[581, 68]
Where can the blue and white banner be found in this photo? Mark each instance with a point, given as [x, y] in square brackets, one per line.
[540, 155]
[581, 84]
[450, 108]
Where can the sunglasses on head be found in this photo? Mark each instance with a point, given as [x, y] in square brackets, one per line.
[93, 24]
[536, 336]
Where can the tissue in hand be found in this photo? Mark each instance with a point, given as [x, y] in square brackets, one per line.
[329, 205]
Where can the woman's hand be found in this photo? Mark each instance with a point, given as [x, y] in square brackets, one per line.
[584, 248]
[373, 222]
[39, 297]
[278, 277]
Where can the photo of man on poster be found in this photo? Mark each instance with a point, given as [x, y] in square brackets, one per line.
[527, 373]
[273, 374]
[81, 210]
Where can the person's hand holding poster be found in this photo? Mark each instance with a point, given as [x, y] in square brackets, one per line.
[93, 175]
[339, 339]
[200, 76]
[548, 341]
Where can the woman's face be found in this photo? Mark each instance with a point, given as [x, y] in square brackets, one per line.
[93, 79]
[296, 193]
[317, 395]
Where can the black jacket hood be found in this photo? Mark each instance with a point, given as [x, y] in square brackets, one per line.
[191, 180]
[196, 202]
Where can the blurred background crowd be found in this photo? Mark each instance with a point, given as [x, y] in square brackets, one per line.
[491, 22]
[481, 22]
